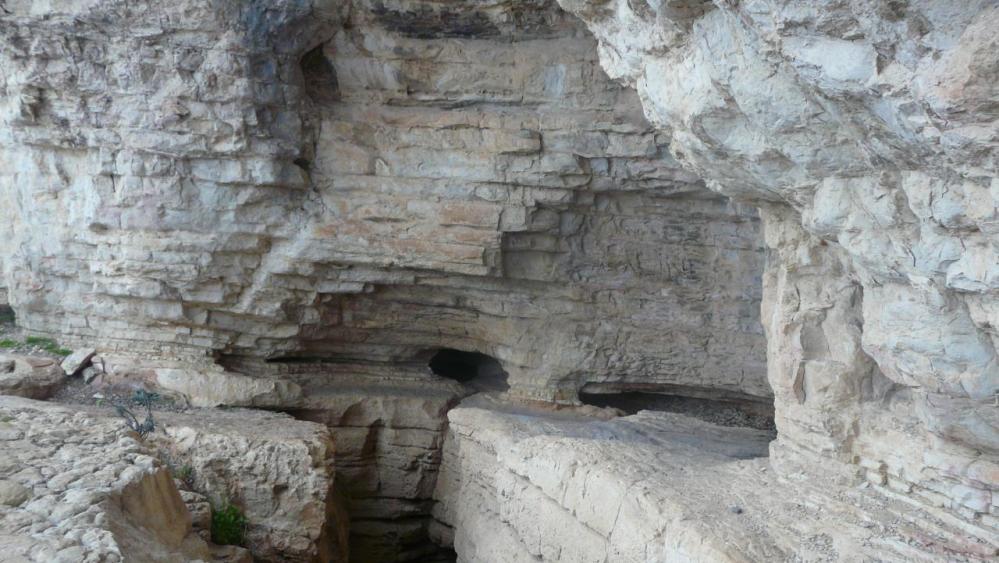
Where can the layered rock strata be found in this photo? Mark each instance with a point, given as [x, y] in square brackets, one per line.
[867, 133]
[76, 485]
[362, 180]
[358, 185]
[76, 488]
[277, 470]
[520, 485]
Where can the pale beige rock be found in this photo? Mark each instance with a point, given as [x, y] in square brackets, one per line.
[521, 485]
[77, 361]
[369, 203]
[250, 180]
[863, 131]
[29, 376]
[87, 491]
[217, 388]
[277, 470]
[13, 493]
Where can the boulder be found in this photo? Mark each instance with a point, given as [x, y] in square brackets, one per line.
[77, 361]
[276, 470]
[29, 376]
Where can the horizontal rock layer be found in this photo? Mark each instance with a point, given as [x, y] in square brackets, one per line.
[518, 485]
[368, 181]
[869, 134]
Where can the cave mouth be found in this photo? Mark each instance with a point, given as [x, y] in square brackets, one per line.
[319, 75]
[7, 315]
[714, 406]
[473, 369]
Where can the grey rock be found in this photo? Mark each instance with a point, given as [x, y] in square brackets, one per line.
[77, 361]
[13, 493]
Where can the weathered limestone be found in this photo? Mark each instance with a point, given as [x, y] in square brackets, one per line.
[29, 376]
[388, 424]
[867, 132]
[518, 485]
[76, 488]
[277, 470]
[356, 185]
[76, 362]
[268, 181]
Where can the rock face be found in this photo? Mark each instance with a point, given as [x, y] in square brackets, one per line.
[389, 426]
[362, 180]
[520, 485]
[299, 205]
[76, 488]
[29, 376]
[866, 132]
[277, 470]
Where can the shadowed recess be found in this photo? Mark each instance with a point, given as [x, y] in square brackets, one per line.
[477, 370]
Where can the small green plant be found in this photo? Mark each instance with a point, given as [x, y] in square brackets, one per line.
[186, 475]
[7, 419]
[48, 345]
[228, 524]
[8, 343]
[40, 341]
[146, 426]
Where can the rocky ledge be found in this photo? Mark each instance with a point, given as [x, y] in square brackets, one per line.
[521, 484]
[76, 485]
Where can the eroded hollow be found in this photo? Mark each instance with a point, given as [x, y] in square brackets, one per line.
[710, 405]
[473, 369]
[319, 74]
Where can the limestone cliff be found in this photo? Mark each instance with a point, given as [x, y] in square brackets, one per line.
[299, 205]
[867, 133]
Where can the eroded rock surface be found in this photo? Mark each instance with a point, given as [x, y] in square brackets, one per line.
[277, 470]
[362, 180]
[343, 189]
[867, 133]
[521, 485]
[75, 487]
[31, 377]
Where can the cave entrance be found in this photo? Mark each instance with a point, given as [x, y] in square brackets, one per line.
[474, 369]
[710, 405]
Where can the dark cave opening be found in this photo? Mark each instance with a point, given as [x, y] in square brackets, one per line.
[723, 409]
[474, 369]
[7, 315]
[319, 74]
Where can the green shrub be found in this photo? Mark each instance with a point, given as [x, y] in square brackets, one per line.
[8, 343]
[228, 525]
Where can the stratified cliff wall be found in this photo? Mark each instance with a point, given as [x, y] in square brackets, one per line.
[867, 133]
[368, 181]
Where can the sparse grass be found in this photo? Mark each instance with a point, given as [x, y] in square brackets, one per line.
[8, 343]
[48, 345]
[6, 418]
[228, 525]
